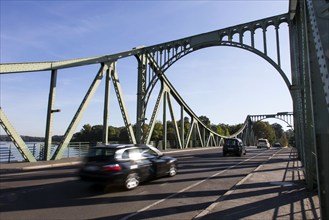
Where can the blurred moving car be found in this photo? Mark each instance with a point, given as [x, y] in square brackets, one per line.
[126, 165]
[263, 143]
[234, 146]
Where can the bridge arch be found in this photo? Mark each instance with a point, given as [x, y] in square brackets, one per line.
[203, 45]
[289, 125]
[286, 117]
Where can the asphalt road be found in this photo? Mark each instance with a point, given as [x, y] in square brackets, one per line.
[56, 193]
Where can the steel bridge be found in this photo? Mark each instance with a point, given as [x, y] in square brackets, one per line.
[309, 88]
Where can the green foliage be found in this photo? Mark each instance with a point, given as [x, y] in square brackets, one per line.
[284, 140]
[223, 129]
[205, 120]
[274, 133]
[157, 131]
[234, 128]
[278, 130]
[264, 130]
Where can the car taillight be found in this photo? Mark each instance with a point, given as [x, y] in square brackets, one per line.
[111, 167]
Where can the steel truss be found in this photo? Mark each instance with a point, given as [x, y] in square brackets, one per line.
[153, 61]
[309, 87]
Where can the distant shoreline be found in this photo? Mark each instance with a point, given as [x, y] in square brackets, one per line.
[31, 138]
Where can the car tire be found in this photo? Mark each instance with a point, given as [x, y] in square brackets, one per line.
[132, 181]
[172, 170]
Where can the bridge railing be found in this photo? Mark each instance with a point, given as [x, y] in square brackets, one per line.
[10, 154]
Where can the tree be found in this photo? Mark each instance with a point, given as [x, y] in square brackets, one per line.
[290, 136]
[234, 128]
[123, 134]
[223, 129]
[284, 140]
[205, 120]
[278, 130]
[157, 131]
[113, 133]
[264, 130]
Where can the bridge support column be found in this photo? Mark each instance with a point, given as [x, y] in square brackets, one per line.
[106, 107]
[51, 100]
[141, 90]
[182, 126]
[165, 126]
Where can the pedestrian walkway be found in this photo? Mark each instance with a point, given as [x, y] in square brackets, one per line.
[274, 190]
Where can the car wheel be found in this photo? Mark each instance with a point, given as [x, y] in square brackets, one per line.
[172, 170]
[132, 181]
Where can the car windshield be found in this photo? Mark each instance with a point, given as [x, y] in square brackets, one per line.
[261, 141]
[100, 154]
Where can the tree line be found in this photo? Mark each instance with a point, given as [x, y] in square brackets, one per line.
[274, 133]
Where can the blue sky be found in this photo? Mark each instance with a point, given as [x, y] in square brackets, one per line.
[225, 84]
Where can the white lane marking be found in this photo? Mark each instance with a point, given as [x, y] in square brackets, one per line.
[187, 188]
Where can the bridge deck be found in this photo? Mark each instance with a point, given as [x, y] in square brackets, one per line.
[275, 189]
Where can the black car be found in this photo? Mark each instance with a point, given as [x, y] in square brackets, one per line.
[234, 146]
[126, 165]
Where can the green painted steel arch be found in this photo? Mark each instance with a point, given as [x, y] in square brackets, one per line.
[208, 44]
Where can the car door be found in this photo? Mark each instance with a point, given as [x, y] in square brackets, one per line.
[158, 163]
[140, 164]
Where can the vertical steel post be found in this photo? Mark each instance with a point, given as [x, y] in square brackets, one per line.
[51, 100]
[252, 38]
[164, 129]
[264, 40]
[106, 108]
[278, 44]
[141, 89]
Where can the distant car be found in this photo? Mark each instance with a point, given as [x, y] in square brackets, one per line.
[126, 165]
[263, 143]
[234, 146]
[277, 144]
